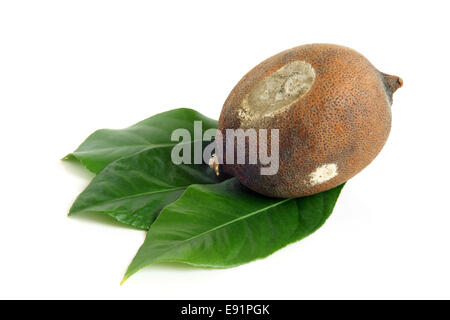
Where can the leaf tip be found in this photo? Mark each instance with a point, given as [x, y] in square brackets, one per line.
[73, 211]
[67, 157]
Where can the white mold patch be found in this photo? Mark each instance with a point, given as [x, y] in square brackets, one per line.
[323, 174]
[278, 91]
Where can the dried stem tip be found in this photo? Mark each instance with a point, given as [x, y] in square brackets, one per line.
[214, 163]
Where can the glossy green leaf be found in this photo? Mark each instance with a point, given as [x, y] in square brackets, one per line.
[134, 189]
[225, 225]
[106, 145]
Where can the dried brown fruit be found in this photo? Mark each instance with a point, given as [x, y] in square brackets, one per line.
[333, 111]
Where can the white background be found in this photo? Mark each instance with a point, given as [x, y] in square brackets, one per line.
[68, 68]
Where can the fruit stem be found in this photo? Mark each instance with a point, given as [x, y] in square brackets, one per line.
[214, 164]
[391, 83]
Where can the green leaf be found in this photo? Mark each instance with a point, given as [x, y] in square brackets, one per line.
[106, 145]
[134, 189]
[225, 225]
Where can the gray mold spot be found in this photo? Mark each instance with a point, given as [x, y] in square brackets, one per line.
[277, 92]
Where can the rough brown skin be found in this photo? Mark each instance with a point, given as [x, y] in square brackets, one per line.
[344, 119]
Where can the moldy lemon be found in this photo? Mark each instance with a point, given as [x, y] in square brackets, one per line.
[332, 108]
